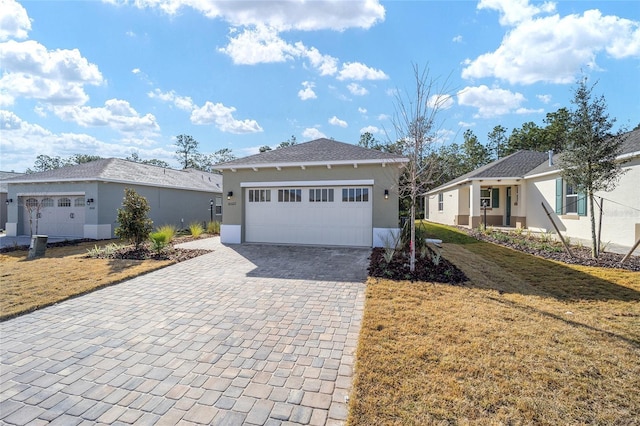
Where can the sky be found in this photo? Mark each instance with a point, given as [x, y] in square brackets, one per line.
[117, 77]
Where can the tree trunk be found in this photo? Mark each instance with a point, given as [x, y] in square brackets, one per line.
[594, 246]
[412, 248]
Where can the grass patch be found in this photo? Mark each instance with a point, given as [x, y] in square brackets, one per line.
[64, 272]
[526, 341]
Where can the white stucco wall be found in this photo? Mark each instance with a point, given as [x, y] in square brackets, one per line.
[621, 218]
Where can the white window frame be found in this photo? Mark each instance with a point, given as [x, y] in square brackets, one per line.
[355, 195]
[290, 195]
[321, 195]
[570, 200]
[482, 198]
[441, 202]
[259, 196]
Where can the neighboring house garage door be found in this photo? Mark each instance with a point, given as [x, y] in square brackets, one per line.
[338, 215]
[61, 216]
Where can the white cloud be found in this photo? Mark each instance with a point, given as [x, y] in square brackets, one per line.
[371, 129]
[356, 89]
[307, 92]
[23, 141]
[280, 14]
[116, 114]
[136, 70]
[183, 102]
[554, 49]
[222, 117]
[529, 111]
[440, 101]
[362, 110]
[545, 99]
[358, 71]
[465, 124]
[325, 64]
[383, 117]
[335, 121]
[57, 77]
[457, 39]
[490, 102]
[515, 11]
[259, 45]
[311, 133]
[14, 21]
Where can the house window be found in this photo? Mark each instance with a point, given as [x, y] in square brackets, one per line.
[289, 195]
[490, 197]
[321, 195]
[78, 202]
[64, 202]
[440, 202]
[219, 204]
[258, 196]
[571, 200]
[46, 202]
[355, 195]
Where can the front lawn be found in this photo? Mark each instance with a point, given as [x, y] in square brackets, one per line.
[525, 341]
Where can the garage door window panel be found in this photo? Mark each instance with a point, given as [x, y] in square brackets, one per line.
[47, 202]
[289, 195]
[259, 195]
[321, 195]
[355, 195]
[64, 202]
[78, 202]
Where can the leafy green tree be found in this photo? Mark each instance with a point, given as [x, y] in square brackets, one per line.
[82, 158]
[135, 157]
[44, 163]
[530, 136]
[265, 148]
[223, 155]
[475, 154]
[589, 162]
[558, 125]
[497, 144]
[187, 153]
[289, 142]
[134, 224]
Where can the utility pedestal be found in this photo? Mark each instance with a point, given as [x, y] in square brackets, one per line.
[38, 246]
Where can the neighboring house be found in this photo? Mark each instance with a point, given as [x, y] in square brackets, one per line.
[81, 201]
[515, 187]
[4, 200]
[321, 192]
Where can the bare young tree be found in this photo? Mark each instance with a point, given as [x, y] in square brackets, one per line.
[416, 131]
[33, 208]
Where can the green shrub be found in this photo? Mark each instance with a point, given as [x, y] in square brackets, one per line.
[134, 225]
[169, 230]
[159, 241]
[196, 229]
[106, 251]
[421, 237]
[213, 227]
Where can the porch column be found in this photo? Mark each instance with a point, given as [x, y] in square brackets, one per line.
[475, 211]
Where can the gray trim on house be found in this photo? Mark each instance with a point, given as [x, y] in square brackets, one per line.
[117, 170]
[317, 152]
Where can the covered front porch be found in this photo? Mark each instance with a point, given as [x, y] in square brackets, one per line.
[497, 203]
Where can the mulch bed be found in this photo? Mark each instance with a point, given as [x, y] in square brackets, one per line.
[143, 253]
[556, 251]
[425, 270]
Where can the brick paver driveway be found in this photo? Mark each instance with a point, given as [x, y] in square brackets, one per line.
[244, 335]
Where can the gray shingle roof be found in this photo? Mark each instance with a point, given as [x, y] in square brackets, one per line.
[123, 171]
[4, 176]
[630, 146]
[316, 151]
[512, 166]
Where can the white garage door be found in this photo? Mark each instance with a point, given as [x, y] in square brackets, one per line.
[338, 215]
[60, 216]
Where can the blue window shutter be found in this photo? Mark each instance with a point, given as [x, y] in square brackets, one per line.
[495, 198]
[559, 196]
[582, 204]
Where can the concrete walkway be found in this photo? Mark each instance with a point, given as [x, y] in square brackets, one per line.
[259, 335]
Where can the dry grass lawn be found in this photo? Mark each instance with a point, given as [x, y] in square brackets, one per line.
[64, 272]
[526, 341]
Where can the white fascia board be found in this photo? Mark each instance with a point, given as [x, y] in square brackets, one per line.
[361, 182]
[444, 188]
[49, 194]
[543, 174]
[313, 163]
[124, 182]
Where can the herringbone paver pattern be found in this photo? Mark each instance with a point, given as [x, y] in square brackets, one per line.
[251, 335]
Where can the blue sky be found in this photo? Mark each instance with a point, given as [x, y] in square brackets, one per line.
[114, 77]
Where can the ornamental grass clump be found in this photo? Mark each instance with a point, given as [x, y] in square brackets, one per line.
[195, 228]
[169, 230]
[213, 227]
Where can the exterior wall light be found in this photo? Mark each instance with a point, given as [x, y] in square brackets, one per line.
[229, 195]
[89, 200]
[9, 201]
[386, 194]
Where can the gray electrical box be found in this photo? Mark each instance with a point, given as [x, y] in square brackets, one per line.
[38, 246]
